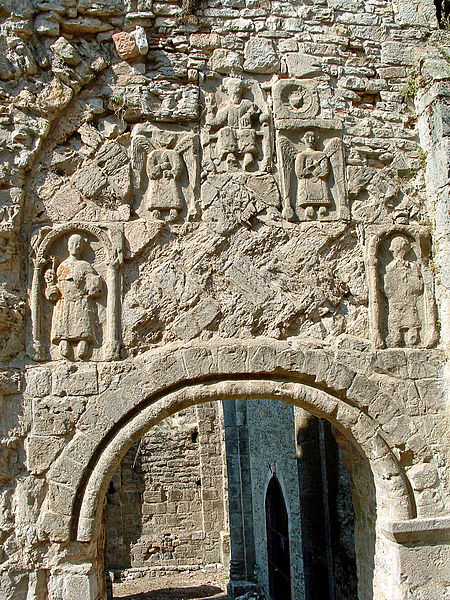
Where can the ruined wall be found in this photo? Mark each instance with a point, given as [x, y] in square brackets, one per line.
[167, 503]
[272, 448]
[190, 193]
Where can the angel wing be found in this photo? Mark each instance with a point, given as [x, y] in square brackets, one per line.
[141, 145]
[184, 143]
[335, 151]
[288, 154]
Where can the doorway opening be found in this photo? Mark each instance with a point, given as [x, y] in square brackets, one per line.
[262, 489]
[166, 514]
[277, 527]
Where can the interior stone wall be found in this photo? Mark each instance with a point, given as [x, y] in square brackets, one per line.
[271, 434]
[167, 503]
[194, 194]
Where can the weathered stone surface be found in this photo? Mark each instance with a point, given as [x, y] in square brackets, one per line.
[126, 45]
[260, 56]
[75, 380]
[301, 65]
[38, 382]
[225, 61]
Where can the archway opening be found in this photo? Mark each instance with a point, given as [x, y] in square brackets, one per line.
[157, 521]
[166, 512]
[277, 531]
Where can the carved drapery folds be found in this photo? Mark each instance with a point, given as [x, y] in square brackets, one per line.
[401, 289]
[165, 165]
[75, 293]
[310, 155]
[236, 132]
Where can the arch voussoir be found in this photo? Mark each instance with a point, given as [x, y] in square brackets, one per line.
[164, 384]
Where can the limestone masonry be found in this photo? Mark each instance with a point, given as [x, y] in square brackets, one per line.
[239, 201]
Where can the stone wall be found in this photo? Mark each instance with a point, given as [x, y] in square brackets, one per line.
[167, 503]
[195, 195]
[272, 450]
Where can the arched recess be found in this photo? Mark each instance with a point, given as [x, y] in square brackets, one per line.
[394, 497]
[277, 530]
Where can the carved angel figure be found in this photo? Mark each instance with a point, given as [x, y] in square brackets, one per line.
[236, 136]
[312, 169]
[73, 288]
[403, 286]
[162, 157]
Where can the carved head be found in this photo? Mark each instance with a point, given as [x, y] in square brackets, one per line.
[309, 139]
[234, 87]
[167, 139]
[75, 245]
[399, 247]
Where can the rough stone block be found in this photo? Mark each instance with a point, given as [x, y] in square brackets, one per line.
[74, 380]
[396, 53]
[41, 452]
[260, 56]
[199, 361]
[126, 46]
[197, 319]
[38, 382]
[225, 61]
[139, 233]
[231, 359]
[301, 65]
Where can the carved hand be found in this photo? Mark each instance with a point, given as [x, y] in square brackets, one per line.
[49, 276]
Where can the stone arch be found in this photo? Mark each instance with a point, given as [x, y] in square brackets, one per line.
[161, 383]
[391, 482]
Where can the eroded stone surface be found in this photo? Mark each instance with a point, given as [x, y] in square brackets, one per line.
[260, 189]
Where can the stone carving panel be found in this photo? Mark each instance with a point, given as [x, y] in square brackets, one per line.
[165, 164]
[74, 296]
[236, 134]
[401, 289]
[294, 100]
[312, 176]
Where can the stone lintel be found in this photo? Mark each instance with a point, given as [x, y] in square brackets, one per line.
[293, 123]
[435, 529]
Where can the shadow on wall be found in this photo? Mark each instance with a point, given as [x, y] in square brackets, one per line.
[337, 525]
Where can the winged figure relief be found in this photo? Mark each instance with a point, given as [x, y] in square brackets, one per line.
[313, 180]
[165, 170]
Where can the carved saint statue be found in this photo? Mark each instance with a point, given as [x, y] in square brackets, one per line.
[403, 286]
[73, 288]
[309, 195]
[312, 169]
[236, 137]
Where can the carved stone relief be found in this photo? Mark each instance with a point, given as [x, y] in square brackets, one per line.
[236, 135]
[165, 164]
[74, 296]
[312, 176]
[293, 100]
[401, 294]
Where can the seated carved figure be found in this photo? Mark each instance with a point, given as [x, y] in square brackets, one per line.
[73, 288]
[403, 286]
[236, 137]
